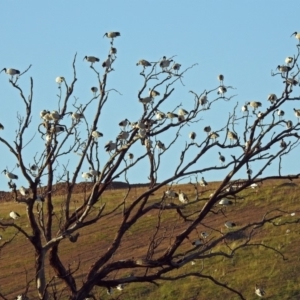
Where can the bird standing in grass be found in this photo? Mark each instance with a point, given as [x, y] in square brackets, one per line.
[259, 291]
[229, 224]
[14, 215]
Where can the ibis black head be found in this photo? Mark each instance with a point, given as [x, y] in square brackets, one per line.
[295, 33]
[105, 34]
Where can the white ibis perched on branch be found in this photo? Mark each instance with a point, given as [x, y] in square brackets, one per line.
[297, 35]
[94, 90]
[96, 134]
[153, 93]
[144, 63]
[11, 72]
[280, 113]
[77, 116]
[221, 79]
[171, 115]
[182, 112]
[283, 69]
[232, 136]
[192, 136]
[222, 90]
[107, 62]
[59, 80]
[14, 215]
[213, 136]
[297, 113]
[165, 63]
[272, 98]
[221, 158]
[10, 175]
[244, 109]
[91, 59]
[110, 146]
[289, 60]
[254, 104]
[159, 115]
[113, 51]
[111, 35]
[176, 67]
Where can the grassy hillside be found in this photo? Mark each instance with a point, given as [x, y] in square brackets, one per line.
[256, 264]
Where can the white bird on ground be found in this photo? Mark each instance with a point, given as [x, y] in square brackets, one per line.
[11, 72]
[171, 194]
[111, 35]
[229, 224]
[197, 243]
[297, 35]
[272, 98]
[10, 175]
[110, 146]
[120, 287]
[225, 202]
[165, 63]
[94, 90]
[23, 191]
[59, 80]
[221, 158]
[183, 197]
[221, 79]
[91, 59]
[96, 134]
[21, 297]
[202, 182]
[176, 67]
[222, 90]
[204, 234]
[192, 136]
[144, 63]
[153, 93]
[259, 291]
[14, 215]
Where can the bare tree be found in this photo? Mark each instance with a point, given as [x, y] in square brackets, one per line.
[253, 138]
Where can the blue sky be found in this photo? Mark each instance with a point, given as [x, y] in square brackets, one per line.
[242, 40]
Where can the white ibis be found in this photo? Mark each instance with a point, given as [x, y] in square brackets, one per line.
[11, 72]
[221, 158]
[176, 67]
[94, 90]
[202, 182]
[94, 173]
[182, 112]
[113, 51]
[289, 124]
[160, 115]
[165, 63]
[297, 113]
[280, 113]
[130, 157]
[10, 175]
[123, 135]
[86, 175]
[91, 59]
[171, 194]
[124, 123]
[160, 145]
[147, 143]
[171, 116]
[291, 81]
[232, 136]
[229, 224]
[203, 100]
[111, 35]
[14, 215]
[192, 136]
[244, 109]
[144, 63]
[146, 100]
[107, 62]
[225, 202]
[110, 146]
[221, 79]
[283, 144]
[207, 129]
[183, 198]
[213, 136]
[76, 116]
[289, 60]
[272, 98]
[57, 128]
[96, 134]
[254, 104]
[222, 90]
[259, 291]
[23, 191]
[283, 69]
[297, 35]
[55, 116]
[204, 234]
[60, 80]
[153, 93]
